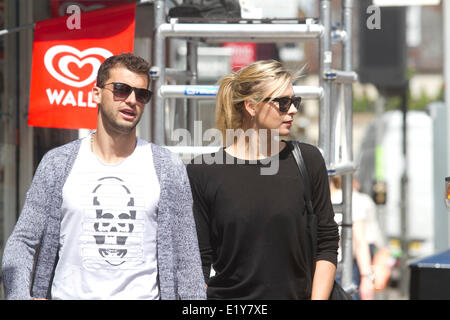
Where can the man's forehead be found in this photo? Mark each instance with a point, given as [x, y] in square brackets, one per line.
[123, 74]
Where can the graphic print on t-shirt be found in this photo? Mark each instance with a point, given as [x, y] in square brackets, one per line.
[111, 231]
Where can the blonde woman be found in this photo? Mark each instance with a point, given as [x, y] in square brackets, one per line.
[250, 224]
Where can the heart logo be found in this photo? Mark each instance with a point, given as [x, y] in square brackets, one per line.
[77, 57]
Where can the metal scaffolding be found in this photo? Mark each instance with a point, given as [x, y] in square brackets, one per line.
[332, 82]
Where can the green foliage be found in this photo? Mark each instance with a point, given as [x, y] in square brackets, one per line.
[364, 104]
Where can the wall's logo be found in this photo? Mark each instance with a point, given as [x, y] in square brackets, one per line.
[65, 56]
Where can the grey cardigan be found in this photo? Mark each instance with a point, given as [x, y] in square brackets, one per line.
[30, 254]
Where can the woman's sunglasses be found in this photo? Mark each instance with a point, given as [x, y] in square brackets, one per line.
[284, 103]
[122, 91]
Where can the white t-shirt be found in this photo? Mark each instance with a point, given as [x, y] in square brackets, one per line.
[359, 205]
[358, 211]
[373, 231]
[108, 228]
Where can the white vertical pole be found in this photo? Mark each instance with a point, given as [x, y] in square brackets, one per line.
[347, 220]
[159, 61]
[446, 14]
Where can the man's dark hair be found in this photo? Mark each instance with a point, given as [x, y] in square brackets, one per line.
[128, 60]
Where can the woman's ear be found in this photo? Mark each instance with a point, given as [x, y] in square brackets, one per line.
[250, 107]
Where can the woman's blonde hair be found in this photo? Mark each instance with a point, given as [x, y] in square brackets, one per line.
[249, 83]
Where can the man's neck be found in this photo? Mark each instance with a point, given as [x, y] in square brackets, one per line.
[112, 149]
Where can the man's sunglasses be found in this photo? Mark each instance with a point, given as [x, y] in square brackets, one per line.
[122, 91]
[284, 103]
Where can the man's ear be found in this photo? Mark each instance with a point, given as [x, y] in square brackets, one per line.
[97, 94]
[250, 107]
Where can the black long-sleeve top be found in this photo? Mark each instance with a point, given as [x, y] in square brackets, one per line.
[250, 225]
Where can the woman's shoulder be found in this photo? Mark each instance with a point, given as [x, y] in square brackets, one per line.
[206, 162]
[309, 151]
[313, 158]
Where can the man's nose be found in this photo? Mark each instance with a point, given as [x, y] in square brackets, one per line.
[131, 99]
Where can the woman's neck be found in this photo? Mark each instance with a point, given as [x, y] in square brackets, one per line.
[255, 145]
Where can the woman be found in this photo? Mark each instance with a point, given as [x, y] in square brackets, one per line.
[251, 224]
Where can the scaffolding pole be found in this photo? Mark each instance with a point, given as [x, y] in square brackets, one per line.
[210, 91]
[231, 31]
[347, 179]
[157, 74]
[325, 61]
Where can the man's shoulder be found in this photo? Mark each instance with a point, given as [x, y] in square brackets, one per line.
[63, 151]
[164, 157]
[56, 163]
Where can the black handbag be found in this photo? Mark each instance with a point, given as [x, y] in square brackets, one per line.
[337, 293]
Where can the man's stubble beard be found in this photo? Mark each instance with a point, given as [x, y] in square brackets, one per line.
[110, 122]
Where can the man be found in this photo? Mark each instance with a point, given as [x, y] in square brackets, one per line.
[108, 216]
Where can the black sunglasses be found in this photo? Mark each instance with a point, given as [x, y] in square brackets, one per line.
[122, 91]
[284, 103]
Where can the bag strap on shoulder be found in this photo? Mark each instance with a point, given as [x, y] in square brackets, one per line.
[297, 153]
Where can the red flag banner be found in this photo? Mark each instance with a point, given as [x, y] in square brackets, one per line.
[242, 54]
[66, 61]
